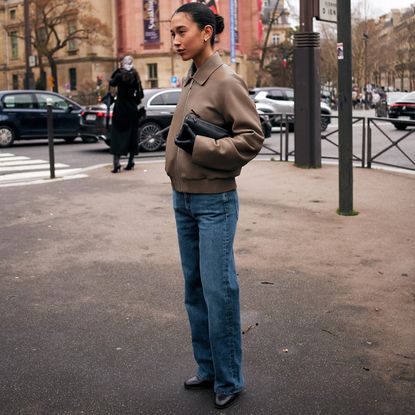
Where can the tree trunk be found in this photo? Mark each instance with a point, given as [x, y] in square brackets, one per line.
[41, 82]
[265, 45]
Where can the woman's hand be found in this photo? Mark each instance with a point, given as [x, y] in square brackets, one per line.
[115, 73]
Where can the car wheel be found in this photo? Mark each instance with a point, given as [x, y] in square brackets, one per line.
[89, 139]
[400, 126]
[6, 136]
[70, 140]
[324, 123]
[147, 139]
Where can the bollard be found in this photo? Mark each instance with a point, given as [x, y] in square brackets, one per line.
[50, 138]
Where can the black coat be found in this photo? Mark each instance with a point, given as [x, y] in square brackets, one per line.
[124, 128]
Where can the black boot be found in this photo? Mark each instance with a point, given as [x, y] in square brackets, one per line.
[130, 165]
[117, 165]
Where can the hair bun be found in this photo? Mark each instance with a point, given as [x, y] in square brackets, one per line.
[220, 25]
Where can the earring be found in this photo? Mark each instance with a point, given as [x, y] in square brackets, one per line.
[206, 39]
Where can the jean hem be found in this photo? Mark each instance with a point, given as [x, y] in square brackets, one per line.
[218, 392]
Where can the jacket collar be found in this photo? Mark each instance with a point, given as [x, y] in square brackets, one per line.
[202, 74]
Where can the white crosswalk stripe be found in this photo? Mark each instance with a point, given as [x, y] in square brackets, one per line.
[30, 167]
[20, 170]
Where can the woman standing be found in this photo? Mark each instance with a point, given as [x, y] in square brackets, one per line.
[202, 172]
[124, 129]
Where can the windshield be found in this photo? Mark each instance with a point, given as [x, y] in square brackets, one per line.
[290, 95]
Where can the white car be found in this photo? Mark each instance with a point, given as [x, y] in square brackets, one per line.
[279, 100]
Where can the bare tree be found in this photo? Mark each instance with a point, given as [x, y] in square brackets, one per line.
[56, 24]
[328, 54]
[273, 18]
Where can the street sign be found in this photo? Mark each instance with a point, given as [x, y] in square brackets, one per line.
[327, 11]
[32, 60]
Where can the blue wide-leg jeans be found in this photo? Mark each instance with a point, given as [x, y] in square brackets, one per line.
[206, 225]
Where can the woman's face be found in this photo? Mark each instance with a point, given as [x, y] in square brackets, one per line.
[188, 40]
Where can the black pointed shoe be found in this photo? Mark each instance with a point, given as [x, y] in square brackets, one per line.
[225, 401]
[196, 383]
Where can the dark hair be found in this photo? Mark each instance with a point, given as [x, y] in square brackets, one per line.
[202, 15]
[129, 76]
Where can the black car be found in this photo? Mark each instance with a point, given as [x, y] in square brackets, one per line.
[382, 107]
[403, 110]
[23, 115]
[159, 104]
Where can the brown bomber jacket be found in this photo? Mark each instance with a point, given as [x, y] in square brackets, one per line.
[217, 95]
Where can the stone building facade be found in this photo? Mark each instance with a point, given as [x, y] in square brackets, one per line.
[397, 31]
[79, 64]
[140, 28]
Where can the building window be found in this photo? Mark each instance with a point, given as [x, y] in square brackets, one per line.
[14, 45]
[72, 79]
[72, 42]
[13, 14]
[152, 75]
[275, 39]
[15, 81]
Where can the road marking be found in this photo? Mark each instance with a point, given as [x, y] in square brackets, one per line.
[19, 170]
[36, 175]
[43, 181]
[31, 167]
[21, 162]
[15, 158]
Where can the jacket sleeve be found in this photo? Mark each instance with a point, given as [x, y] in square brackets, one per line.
[239, 112]
[115, 78]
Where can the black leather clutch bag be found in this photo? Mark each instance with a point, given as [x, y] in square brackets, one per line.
[205, 128]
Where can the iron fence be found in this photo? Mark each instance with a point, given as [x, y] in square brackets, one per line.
[363, 155]
[373, 123]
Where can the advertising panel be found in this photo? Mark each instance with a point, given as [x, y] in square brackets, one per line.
[151, 21]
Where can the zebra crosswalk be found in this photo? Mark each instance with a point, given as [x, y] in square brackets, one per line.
[21, 170]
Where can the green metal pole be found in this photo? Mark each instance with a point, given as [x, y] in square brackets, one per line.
[344, 54]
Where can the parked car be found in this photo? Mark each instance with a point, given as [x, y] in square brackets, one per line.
[280, 100]
[23, 116]
[403, 109]
[160, 105]
[382, 107]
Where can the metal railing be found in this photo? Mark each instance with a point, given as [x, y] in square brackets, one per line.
[363, 156]
[280, 119]
[393, 143]
[355, 120]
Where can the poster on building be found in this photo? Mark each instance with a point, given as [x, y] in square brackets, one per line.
[212, 4]
[151, 21]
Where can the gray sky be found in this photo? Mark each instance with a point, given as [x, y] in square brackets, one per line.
[376, 8]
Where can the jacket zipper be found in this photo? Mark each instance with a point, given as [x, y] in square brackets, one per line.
[183, 114]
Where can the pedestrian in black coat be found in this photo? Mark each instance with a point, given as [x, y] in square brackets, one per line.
[124, 128]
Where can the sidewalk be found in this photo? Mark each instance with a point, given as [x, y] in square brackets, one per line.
[91, 296]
